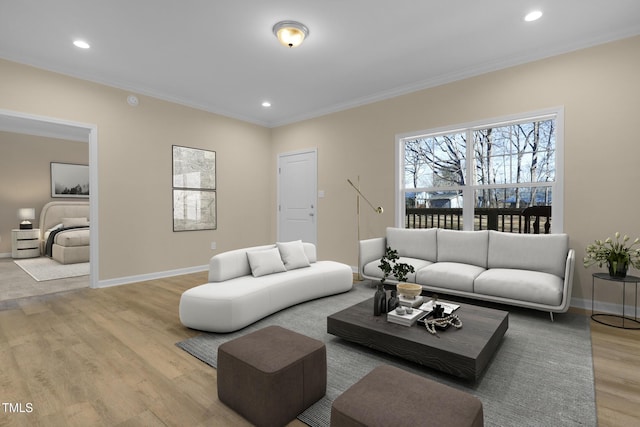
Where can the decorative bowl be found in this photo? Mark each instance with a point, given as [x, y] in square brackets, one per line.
[409, 290]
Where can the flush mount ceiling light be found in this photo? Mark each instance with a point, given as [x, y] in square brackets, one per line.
[533, 16]
[290, 33]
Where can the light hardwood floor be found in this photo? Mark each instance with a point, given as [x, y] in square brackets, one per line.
[108, 357]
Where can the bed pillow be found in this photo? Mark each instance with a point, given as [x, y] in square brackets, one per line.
[265, 262]
[293, 254]
[75, 222]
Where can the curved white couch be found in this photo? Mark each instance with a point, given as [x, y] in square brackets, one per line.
[234, 298]
[527, 270]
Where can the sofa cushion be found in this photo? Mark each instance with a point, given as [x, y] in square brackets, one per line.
[266, 261]
[310, 251]
[372, 269]
[413, 243]
[466, 247]
[449, 275]
[231, 264]
[293, 254]
[521, 285]
[537, 252]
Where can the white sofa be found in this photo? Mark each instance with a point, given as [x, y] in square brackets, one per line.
[528, 270]
[248, 284]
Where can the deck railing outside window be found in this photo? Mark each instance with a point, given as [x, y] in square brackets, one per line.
[534, 220]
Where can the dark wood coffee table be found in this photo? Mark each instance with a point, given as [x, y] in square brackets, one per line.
[464, 352]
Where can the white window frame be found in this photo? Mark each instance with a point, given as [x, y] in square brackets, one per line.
[557, 187]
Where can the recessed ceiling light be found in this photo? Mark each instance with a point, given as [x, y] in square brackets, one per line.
[81, 44]
[266, 104]
[533, 16]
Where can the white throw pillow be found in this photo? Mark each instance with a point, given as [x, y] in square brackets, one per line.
[75, 222]
[293, 255]
[265, 262]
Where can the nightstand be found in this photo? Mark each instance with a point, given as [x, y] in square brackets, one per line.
[25, 243]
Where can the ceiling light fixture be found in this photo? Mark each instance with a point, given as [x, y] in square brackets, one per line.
[266, 104]
[290, 33]
[533, 16]
[81, 44]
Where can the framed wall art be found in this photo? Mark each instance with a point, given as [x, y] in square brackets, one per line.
[194, 189]
[194, 210]
[69, 180]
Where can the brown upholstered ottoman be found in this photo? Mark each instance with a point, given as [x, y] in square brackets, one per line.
[271, 375]
[388, 396]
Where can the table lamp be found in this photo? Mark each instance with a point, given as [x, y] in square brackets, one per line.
[26, 215]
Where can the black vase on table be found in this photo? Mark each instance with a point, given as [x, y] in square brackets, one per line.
[393, 302]
[618, 268]
[379, 301]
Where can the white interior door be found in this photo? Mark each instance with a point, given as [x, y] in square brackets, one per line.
[297, 196]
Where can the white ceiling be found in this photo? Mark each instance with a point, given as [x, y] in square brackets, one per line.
[221, 56]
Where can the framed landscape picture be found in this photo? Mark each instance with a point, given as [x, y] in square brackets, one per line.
[69, 180]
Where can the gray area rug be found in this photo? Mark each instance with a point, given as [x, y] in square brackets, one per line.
[542, 374]
[43, 269]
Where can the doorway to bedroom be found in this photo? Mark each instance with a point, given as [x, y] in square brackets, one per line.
[43, 141]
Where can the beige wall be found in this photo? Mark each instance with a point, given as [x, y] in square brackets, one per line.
[134, 169]
[25, 178]
[599, 89]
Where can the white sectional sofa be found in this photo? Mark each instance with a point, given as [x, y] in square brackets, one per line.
[248, 284]
[528, 270]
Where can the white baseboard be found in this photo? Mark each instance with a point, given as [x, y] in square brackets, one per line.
[603, 307]
[151, 276]
[5, 255]
[580, 303]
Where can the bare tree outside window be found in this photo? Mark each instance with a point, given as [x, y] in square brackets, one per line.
[510, 166]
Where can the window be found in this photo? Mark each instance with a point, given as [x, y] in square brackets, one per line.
[499, 175]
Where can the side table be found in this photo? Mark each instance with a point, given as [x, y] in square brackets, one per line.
[25, 243]
[616, 320]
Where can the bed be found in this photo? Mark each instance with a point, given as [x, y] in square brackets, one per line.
[64, 231]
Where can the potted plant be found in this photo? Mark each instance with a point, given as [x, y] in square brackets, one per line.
[390, 266]
[618, 255]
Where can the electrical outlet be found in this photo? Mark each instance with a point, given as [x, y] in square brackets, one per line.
[213, 245]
